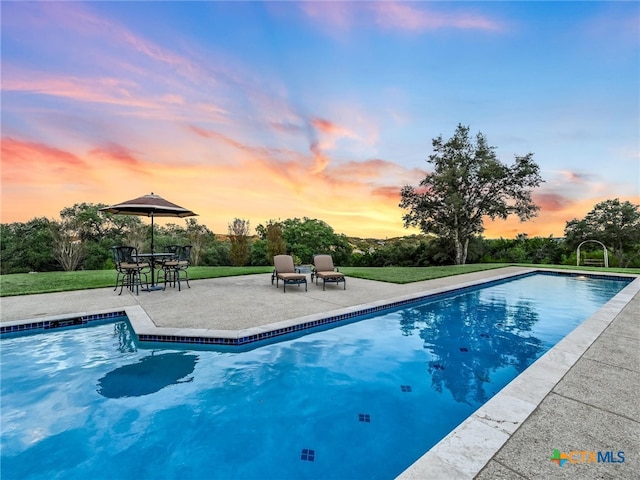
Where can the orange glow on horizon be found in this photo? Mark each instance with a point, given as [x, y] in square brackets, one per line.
[39, 181]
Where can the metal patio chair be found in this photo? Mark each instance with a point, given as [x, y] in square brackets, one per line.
[129, 270]
[176, 269]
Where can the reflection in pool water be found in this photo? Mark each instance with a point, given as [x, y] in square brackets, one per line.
[470, 338]
[148, 375]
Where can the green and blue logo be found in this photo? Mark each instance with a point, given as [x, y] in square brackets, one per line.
[559, 458]
[586, 456]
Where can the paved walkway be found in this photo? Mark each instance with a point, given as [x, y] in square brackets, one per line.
[580, 396]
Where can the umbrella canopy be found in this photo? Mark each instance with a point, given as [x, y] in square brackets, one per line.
[151, 205]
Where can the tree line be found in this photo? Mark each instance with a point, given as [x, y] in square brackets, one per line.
[83, 237]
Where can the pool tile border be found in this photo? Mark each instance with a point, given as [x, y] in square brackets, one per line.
[58, 321]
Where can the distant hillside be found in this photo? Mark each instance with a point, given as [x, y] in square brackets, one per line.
[357, 243]
[363, 245]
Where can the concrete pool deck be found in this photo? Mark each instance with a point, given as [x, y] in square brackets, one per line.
[580, 396]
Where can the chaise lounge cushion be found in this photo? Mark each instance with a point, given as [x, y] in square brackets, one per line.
[325, 270]
[286, 271]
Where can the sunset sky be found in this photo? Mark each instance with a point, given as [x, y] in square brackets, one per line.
[276, 110]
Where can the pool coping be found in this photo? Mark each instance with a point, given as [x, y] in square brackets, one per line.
[474, 442]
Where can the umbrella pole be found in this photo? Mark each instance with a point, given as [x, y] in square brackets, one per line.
[152, 252]
[153, 260]
[153, 285]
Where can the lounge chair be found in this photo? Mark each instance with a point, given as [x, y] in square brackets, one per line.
[285, 270]
[324, 269]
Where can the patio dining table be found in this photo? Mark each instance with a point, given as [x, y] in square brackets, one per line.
[153, 257]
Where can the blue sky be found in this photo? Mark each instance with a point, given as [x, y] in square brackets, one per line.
[274, 110]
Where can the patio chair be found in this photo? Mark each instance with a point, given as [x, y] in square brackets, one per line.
[323, 268]
[285, 270]
[165, 261]
[176, 268]
[129, 269]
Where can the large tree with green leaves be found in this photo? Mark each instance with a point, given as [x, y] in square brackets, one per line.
[309, 236]
[27, 247]
[92, 224]
[97, 231]
[612, 222]
[467, 184]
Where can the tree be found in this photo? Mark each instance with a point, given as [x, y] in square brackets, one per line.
[469, 183]
[308, 237]
[239, 238]
[27, 247]
[270, 243]
[136, 236]
[67, 246]
[614, 223]
[94, 225]
[99, 231]
[199, 237]
[275, 240]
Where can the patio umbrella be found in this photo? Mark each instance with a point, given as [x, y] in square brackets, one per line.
[151, 205]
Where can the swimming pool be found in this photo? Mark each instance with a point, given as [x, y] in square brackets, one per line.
[332, 404]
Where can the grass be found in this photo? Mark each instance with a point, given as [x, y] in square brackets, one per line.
[46, 282]
[415, 274]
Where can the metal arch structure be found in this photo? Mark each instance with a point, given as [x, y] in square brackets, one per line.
[606, 254]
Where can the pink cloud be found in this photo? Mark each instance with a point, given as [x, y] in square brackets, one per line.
[321, 161]
[299, 173]
[287, 128]
[261, 152]
[389, 193]
[575, 177]
[551, 201]
[94, 90]
[363, 171]
[79, 18]
[326, 126]
[403, 16]
[23, 161]
[121, 156]
[413, 17]
[332, 14]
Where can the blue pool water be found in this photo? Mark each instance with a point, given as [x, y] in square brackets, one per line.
[362, 400]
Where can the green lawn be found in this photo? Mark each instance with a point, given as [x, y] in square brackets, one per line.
[30, 283]
[415, 274]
